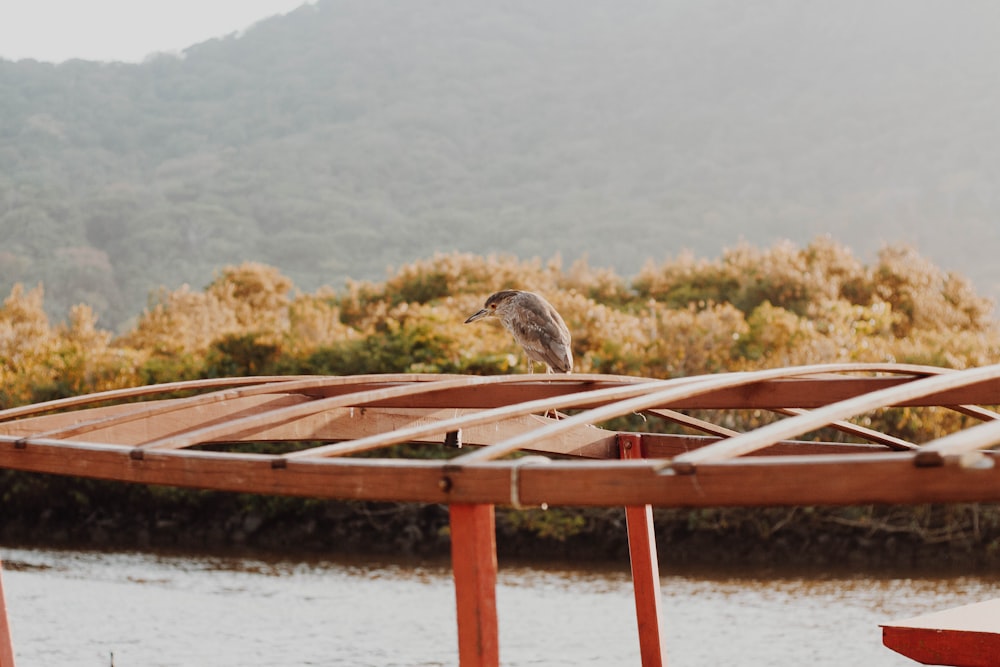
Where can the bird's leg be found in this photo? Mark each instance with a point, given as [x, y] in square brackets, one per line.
[554, 414]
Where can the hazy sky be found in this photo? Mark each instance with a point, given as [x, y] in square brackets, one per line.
[128, 30]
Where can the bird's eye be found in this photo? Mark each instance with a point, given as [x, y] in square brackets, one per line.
[493, 306]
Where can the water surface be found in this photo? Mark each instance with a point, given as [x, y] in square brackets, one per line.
[74, 608]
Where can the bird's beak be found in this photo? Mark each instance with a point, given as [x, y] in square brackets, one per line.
[480, 314]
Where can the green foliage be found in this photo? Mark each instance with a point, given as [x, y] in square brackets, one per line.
[548, 524]
[237, 355]
[393, 347]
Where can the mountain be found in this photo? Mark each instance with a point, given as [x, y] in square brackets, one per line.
[353, 135]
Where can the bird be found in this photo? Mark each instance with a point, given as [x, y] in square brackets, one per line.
[536, 326]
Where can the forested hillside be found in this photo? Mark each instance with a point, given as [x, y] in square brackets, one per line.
[353, 135]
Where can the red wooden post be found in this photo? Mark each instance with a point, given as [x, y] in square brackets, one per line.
[474, 565]
[645, 569]
[6, 644]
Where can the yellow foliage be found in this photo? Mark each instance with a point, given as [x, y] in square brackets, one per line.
[250, 298]
[38, 361]
[314, 322]
[26, 344]
[181, 322]
[693, 340]
[751, 308]
[927, 297]
[257, 295]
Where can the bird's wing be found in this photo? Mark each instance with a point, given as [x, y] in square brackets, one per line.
[543, 339]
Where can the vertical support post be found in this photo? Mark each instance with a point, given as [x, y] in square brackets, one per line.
[645, 568]
[6, 643]
[474, 566]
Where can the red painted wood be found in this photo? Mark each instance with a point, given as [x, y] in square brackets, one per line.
[967, 636]
[645, 569]
[944, 647]
[6, 644]
[474, 565]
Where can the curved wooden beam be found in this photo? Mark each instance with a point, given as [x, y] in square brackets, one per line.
[676, 391]
[959, 445]
[134, 392]
[749, 481]
[263, 406]
[789, 428]
[476, 419]
[871, 435]
[355, 399]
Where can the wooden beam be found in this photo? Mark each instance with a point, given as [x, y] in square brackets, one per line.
[671, 394]
[668, 445]
[474, 565]
[645, 569]
[967, 442]
[844, 479]
[868, 434]
[764, 436]
[146, 390]
[6, 642]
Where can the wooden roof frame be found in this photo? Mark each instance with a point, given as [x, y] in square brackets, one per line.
[109, 435]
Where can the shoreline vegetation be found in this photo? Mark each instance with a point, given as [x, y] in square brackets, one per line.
[84, 514]
[751, 308]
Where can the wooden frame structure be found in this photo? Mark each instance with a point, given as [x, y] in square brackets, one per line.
[529, 440]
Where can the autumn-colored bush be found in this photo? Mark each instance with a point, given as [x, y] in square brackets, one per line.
[750, 308]
[39, 361]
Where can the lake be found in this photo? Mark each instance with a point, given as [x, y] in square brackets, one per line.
[77, 608]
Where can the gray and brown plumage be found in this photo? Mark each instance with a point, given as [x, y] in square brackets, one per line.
[536, 326]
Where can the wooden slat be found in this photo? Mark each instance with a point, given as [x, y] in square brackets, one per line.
[138, 392]
[789, 428]
[366, 429]
[667, 446]
[682, 419]
[168, 421]
[806, 393]
[373, 397]
[868, 434]
[249, 424]
[93, 420]
[83, 422]
[374, 428]
[843, 426]
[780, 388]
[481, 418]
[384, 425]
[960, 444]
[668, 394]
[65, 425]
